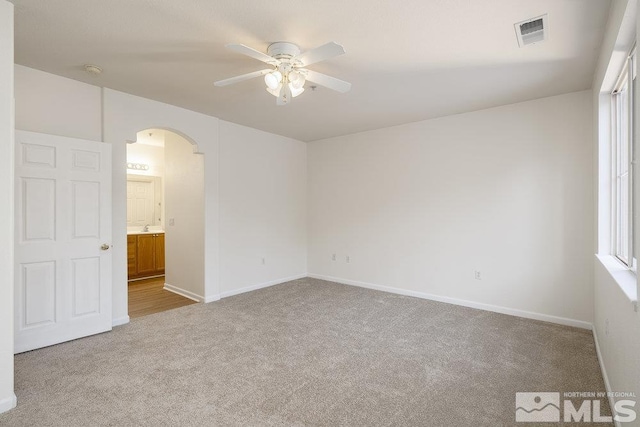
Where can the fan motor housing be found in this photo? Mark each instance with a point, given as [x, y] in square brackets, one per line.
[283, 50]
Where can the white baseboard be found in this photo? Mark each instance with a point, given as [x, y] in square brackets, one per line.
[137, 279]
[183, 292]
[211, 298]
[261, 285]
[605, 377]
[464, 303]
[120, 321]
[8, 403]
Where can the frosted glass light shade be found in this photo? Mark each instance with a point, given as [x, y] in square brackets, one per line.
[297, 79]
[272, 80]
[295, 91]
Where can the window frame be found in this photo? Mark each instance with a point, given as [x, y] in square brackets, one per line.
[619, 133]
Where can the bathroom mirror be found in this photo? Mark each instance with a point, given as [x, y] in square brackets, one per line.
[144, 200]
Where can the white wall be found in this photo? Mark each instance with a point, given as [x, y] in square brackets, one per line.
[616, 324]
[7, 396]
[51, 104]
[184, 204]
[619, 342]
[262, 208]
[420, 207]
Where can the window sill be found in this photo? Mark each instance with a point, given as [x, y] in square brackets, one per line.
[624, 277]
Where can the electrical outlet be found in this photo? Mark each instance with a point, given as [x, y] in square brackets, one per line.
[606, 327]
[172, 221]
[333, 257]
[477, 275]
[348, 259]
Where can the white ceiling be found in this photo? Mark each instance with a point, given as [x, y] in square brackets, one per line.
[407, 61]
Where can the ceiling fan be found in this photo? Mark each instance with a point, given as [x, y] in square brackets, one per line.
[286, 79]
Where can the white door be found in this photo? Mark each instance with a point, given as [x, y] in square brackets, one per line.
[63, 219]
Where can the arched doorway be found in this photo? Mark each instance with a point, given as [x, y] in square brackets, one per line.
[165, 222]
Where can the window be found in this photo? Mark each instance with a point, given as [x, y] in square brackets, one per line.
[622, 163]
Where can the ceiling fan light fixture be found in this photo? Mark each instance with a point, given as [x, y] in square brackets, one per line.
[297, 79]
[285, 78]
[275, 91]
[295, 91]
[273, 79]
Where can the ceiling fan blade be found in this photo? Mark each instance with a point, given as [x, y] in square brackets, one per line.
[327, 81]
[285, 95]
[321, 53]
[255, 54]
[236, 79]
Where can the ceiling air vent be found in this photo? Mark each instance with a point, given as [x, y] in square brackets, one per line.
[532, 30]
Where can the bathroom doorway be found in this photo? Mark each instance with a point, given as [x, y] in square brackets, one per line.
[165, 219]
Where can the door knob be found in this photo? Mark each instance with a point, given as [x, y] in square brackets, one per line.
[105, 247]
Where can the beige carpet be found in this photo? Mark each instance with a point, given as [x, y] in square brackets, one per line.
[306, 352]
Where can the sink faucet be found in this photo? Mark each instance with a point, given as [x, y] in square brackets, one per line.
[146, 228]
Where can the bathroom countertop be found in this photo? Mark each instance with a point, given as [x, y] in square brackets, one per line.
[131, 233]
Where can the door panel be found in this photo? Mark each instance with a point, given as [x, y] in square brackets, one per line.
[63, 216]
[85, 199]
[38, 286]
[140, 202]
[146, 254]
[86, 286]
[39, 207]
[140, 211]
[85, 161]
[38, 155]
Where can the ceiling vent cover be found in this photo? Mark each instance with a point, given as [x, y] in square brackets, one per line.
[532, 30]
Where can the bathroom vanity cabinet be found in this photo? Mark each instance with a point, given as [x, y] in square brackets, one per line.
[145, 255]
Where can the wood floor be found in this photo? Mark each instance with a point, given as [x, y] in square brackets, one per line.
[148, 296]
